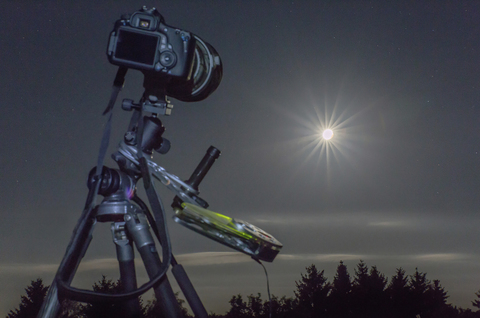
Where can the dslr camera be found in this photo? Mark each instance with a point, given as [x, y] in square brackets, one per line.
[187, 67]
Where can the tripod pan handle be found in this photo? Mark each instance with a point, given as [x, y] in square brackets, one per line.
[203, 167]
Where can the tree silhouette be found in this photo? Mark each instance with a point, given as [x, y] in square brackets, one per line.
[419, 286]
[342, 284]
[282, 308]
[379, 299]
[32, 302]
[154, 310]
[238, 308]
[311, 293]
[464, 313]
[70, 309]
[104, 309]
[359, 288]
[476, 302]
[436, 303]
[369, 298]
[399, 295]
[339, 299]
[254, 307]
[364, 296]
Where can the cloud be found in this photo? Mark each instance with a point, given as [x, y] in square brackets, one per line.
[27, 268]
[321, 257]
[441, 257]
[432, 257]
[343, 219]
[388, 223]
[103, 263]
[409, 220]
[211, 258]
[99, 263]
[191, 259]
[218, 258]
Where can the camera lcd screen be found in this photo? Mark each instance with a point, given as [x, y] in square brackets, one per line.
[136, 47]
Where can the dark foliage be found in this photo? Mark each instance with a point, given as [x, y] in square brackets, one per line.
[465, 313]
[99, 310]
[32, 302]
[254, 307]
[340, 297]
[367, 294]
[36, 292]
[476, 302]
[153, 309]
[399, 294]
[311, 293]
[369, 299]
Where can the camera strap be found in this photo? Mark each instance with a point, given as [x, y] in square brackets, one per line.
[82, 231]
[117, 87]
[97, 179]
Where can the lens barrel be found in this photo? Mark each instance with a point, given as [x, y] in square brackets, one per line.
[206, 75]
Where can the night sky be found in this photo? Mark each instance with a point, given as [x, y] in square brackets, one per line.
[399, 84]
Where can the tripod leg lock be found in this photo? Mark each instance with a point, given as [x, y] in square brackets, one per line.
[138, 228]
[122, 243]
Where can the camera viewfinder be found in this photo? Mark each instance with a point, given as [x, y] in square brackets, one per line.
[144, 23]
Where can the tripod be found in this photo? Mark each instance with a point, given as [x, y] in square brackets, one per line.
[131, 218]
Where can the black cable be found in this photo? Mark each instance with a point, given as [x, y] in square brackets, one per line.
[151, 220]
[147, 213]
[268, 286]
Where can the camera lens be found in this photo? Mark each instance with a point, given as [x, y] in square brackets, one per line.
[207, 73]
[207, 70]
[168, 59]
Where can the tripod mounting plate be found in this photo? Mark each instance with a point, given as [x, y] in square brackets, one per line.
[237, 234]
[113, 211]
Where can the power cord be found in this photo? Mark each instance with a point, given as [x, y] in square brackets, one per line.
[268, 286]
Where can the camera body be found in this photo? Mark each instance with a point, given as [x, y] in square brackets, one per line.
[143, 41]
[174, 62]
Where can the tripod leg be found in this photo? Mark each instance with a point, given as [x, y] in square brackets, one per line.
[76, 249]
[125, 256]
[189, 291]
[51, 304]
[138, 228]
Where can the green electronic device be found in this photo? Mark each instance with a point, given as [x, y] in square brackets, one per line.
[237, 234]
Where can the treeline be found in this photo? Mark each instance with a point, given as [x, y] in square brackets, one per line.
[35, 294]
[368, 294]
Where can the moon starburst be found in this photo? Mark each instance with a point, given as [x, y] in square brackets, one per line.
[327, 134]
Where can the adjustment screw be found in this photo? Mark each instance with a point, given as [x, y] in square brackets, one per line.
[129, 137]
[127, 104]
[153, 98]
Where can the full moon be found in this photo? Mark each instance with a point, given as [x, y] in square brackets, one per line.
[327, 134]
